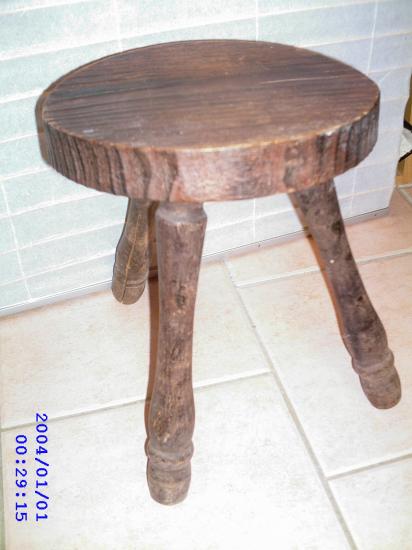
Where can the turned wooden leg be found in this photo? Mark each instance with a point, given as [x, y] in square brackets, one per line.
[132, 254]
[180, 232]
[362, 331]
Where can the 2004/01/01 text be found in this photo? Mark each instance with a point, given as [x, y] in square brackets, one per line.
[24, 487]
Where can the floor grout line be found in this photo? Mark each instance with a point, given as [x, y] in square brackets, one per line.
[315, 269]
[142, 399]
[301, 431]
[371, 466]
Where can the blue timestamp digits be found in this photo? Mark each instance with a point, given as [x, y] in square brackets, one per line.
[40, 484]
[20, 478]
[42, 465]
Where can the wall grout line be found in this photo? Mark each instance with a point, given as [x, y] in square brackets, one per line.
[43, 6]
[341, 4]
[17, 138]
[62, 48]
[69, 234]
[97, 256]
[375, 15]
[304, 438]
[51, 203]
[16, 244]
[11, 98]
[372, 466]
[28, 172]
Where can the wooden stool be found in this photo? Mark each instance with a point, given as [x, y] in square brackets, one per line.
[189, 122]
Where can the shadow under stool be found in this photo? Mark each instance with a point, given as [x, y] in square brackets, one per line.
[174, 125]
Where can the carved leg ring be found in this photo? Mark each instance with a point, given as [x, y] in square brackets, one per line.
[362, 331]
[180, 232]
[132, 255]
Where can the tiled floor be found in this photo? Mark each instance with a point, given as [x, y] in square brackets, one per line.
[288, 452]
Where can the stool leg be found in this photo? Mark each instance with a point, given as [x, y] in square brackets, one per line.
[362, 331]
[180, 232]
[132, 254]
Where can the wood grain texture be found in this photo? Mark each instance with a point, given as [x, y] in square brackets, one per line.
[188, 122]
[180, 234]
[131, 266]
[362, 331]
[135, 253]
[208, 120]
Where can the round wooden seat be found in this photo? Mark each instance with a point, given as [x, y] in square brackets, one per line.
[196, 121]
[209, 120]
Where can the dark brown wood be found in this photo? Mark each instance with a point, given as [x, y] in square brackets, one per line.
[180, 234]
[131, 266]
[135, 252]
[208, 120]
[362, 331]
[188, 122]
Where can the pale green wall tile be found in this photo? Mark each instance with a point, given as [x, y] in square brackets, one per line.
[36, 72]
[11, 5]
[6, 236]
[223, 213]
[393, 82]
[68, 25]
[353, 52]
[229, 236]
[73, 277]
[244, 29]
[9, 268]
[391, 114]
[393, 17]
[20, 155]
[148, 16]
[371, 201]
[339, 28]
[3, 208]
[34, 190]
[272, 205]
[274, 225]
[279, 6]
[391, 52]
[322, 26]
[375, 176]
[17, 118]
[70, 217]
[69, 250]
[12, 294]
[386, 148]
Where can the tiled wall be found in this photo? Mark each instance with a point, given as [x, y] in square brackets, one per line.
[56, 236]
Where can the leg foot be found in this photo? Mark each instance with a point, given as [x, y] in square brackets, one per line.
[381, 385]
[362, 331]
[132, 257]
[180, 232]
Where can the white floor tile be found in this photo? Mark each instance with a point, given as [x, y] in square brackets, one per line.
[377, 505]
[253, 485]
[92, 352]
[297, 324]
[374, 237]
